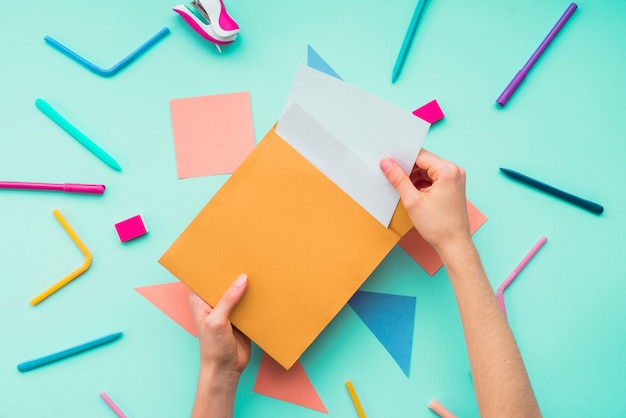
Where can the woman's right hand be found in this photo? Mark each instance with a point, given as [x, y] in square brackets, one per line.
[434, 197]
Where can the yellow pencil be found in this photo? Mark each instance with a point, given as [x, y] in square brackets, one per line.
[80, 270]
[355, 399]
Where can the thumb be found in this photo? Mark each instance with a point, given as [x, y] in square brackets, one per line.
[230, 298]
[398, 179]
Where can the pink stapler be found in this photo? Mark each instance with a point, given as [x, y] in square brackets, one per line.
[210, 19]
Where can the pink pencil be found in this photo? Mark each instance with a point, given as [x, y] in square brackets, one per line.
[440, 410]
[112, 405]
[517, 271]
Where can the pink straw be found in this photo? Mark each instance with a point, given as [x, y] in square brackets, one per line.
[517, 271]
[112, 405]
[440, 410]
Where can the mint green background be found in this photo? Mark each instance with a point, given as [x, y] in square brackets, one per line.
[565, 125]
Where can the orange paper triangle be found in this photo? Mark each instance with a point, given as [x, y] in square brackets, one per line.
[172, 300]
[291, 385]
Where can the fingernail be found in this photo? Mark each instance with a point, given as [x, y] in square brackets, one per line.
[386, 164]
[241, 280]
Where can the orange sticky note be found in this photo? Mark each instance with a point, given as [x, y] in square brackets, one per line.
[305, 245]
[212, 134]
[424, 254]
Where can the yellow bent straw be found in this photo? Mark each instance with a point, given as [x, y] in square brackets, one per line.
[80, 270]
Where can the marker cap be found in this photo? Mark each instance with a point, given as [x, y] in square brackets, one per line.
[84, 188]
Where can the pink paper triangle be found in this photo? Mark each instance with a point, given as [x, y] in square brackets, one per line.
[291, 385]
[172, 300]
[424, 254]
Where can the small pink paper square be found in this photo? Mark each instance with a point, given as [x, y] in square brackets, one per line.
[212, 134]
[430, 112]
[130, 228]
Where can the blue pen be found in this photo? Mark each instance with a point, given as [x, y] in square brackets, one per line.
[33, 364]
[76, 134]
[408, 37]
[578, 201]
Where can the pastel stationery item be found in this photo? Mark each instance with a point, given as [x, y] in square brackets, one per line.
[51, 358]
[293, 385]
[578, 201]
[517, 271]
[112, 405]
[65, 187]
[305, 245]
[210, 20]
[440, 410]
[361, 128]
[212, 134]
[408, 38]
[173, 300]
[107, 72]
[391, 318]
[131, 228]
[423, 253]
[314, 60]
[355, 399]
[430, 112]
[76, 134]
[74, 274]
[521, 75]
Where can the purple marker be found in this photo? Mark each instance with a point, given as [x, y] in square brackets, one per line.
[519, 77]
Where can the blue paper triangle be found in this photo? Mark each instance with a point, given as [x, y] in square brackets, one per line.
[316, 62]
[391, 318]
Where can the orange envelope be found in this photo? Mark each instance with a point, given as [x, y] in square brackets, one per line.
[305, 245]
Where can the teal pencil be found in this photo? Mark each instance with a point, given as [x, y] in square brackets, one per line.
[408, 37]
[76, 134]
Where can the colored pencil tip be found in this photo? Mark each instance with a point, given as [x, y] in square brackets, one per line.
[115, 166]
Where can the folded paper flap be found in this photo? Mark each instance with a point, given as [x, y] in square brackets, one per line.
[305, 245]
[333, 158]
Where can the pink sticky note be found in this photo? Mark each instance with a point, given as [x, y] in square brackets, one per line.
[172, 300]
[212, 134]
[291, 385]
[130, 228]
[423, 253]
[430, 112]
